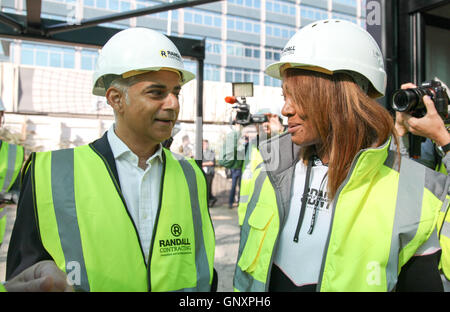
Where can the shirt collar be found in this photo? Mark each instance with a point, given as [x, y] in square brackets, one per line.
[119, 148]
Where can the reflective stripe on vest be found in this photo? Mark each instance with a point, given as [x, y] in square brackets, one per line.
[444, 237]
[11, 159]
[248, 180]
[393, 221]
[3, 218]
[76, 193]
[242, 281]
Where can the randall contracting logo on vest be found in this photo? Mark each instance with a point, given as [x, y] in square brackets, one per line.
[175, 245]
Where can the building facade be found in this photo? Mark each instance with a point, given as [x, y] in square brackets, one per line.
[242, 38]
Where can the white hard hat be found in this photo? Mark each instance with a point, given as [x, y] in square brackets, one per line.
[331, 46]
[133, 51]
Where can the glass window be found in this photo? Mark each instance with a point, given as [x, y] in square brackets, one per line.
[217, 21]
[228, 76]
[41, 58]
[114, 5]
[276, 7]
[239, 25]
[125, 6]
[69, 60]
[101, 4]
[197, 19]
[208, 20]
[230, 50]
[55, 59]
[188, 17]
[89, 3]
[230, 23]
[26, 57]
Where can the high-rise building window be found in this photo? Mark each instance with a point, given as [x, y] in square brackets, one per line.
[280, 31]
[47, 55]
[242, 24]
[256, 4]
[313, 13]
[280, 7]
[346, 17]
[212, 72]
[213, 46]
[88, 59]
[205, 18]
[235, 48]
[273, 54]
[271, 82]
[236, 74]
[351, 3]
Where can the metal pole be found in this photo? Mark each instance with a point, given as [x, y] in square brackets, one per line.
[63, 27]
[5, 19]
[199, 115]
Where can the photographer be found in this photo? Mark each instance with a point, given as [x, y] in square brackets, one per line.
[434, 154]
[431, 126]
[238, 152]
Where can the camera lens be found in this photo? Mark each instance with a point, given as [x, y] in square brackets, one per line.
[404, 100]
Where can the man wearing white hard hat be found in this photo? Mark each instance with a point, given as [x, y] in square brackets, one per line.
[11, 160]
[339, 211]
[122, 213]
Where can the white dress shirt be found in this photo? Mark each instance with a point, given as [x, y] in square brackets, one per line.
[140, 188]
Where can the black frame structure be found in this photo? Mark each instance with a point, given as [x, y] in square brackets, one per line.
[87, 32]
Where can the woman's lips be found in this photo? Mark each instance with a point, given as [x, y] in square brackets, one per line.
[293, 127]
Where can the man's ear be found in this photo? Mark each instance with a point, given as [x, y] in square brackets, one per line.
[114, 99]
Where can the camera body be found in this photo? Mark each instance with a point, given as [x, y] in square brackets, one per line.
[243, 116]
[411, 100]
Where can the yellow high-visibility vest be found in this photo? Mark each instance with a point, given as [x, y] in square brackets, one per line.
[380, 218]
[86, 228]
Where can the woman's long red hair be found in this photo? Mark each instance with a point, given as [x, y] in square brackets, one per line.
[345, 118]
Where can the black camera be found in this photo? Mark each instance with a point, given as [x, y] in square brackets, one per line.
[243, 116]
[411, 100]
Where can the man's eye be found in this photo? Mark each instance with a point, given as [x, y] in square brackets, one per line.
[156, 93]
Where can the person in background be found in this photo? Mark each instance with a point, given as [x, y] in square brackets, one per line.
[11, 160]
[236, 153]
[208, 164]
[435, 153]
[186, 148]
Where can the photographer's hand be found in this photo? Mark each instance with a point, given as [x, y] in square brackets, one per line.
[430, 126]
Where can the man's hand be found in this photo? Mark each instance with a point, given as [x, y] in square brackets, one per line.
[43, 276]
[430, 126]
